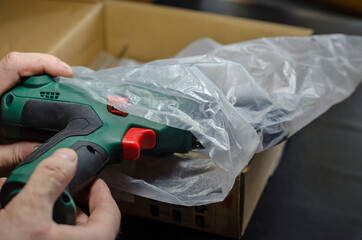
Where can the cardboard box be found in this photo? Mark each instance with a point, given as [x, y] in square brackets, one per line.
[228, 218]
[76, 31]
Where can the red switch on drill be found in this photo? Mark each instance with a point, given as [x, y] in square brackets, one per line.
[135, 140]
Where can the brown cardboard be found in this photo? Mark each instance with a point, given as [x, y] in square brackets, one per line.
[228, 218]
[77, 31]
[51, 26]
[161, 32]
[254, 177]
[71, 30]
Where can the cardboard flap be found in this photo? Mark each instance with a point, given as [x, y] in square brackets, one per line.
[40, 26]
[148, 32]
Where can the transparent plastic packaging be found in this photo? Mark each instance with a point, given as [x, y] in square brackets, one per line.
[237, 99]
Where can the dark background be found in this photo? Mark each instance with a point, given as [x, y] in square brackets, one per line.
[316, 192]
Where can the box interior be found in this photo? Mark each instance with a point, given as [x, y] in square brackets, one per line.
[77, 31]
[47, 26]
[147, 32]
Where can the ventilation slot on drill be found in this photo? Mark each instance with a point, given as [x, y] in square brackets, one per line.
[50, 95]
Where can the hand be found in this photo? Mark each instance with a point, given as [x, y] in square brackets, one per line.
[12, 67]
[29, 214]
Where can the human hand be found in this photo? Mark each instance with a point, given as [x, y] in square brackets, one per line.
[29, 214]
[12, 67]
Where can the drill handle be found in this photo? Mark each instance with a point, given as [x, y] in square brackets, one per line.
[92, 158]
[74, 124]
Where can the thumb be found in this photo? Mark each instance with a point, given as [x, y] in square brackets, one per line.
[50, 178]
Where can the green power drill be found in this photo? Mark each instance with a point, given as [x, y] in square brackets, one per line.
[41, 109]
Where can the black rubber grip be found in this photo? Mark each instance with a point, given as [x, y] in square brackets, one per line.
[64, 119]
[91, 160]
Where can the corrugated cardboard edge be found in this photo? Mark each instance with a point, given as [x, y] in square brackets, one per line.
[253, 179]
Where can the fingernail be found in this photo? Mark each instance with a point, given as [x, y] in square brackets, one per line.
[66, 66]
[66, 154]
[36, 146]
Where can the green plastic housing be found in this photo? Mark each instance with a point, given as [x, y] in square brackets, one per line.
[109, 136]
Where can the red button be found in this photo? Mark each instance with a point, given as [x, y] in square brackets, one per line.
[135, 140]
[113, 110]
[123, 101]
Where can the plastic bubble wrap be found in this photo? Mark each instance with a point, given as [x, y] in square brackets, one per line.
[237, 100]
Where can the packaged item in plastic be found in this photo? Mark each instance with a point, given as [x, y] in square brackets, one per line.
[237, 100]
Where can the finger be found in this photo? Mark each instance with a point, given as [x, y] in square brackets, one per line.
[2, 180]
[16, 65]
[104, 212]
[11, 155]
[82, 218]
[104, 220]
[48, 180]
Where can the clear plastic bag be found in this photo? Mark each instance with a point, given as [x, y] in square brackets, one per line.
[237, 99]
